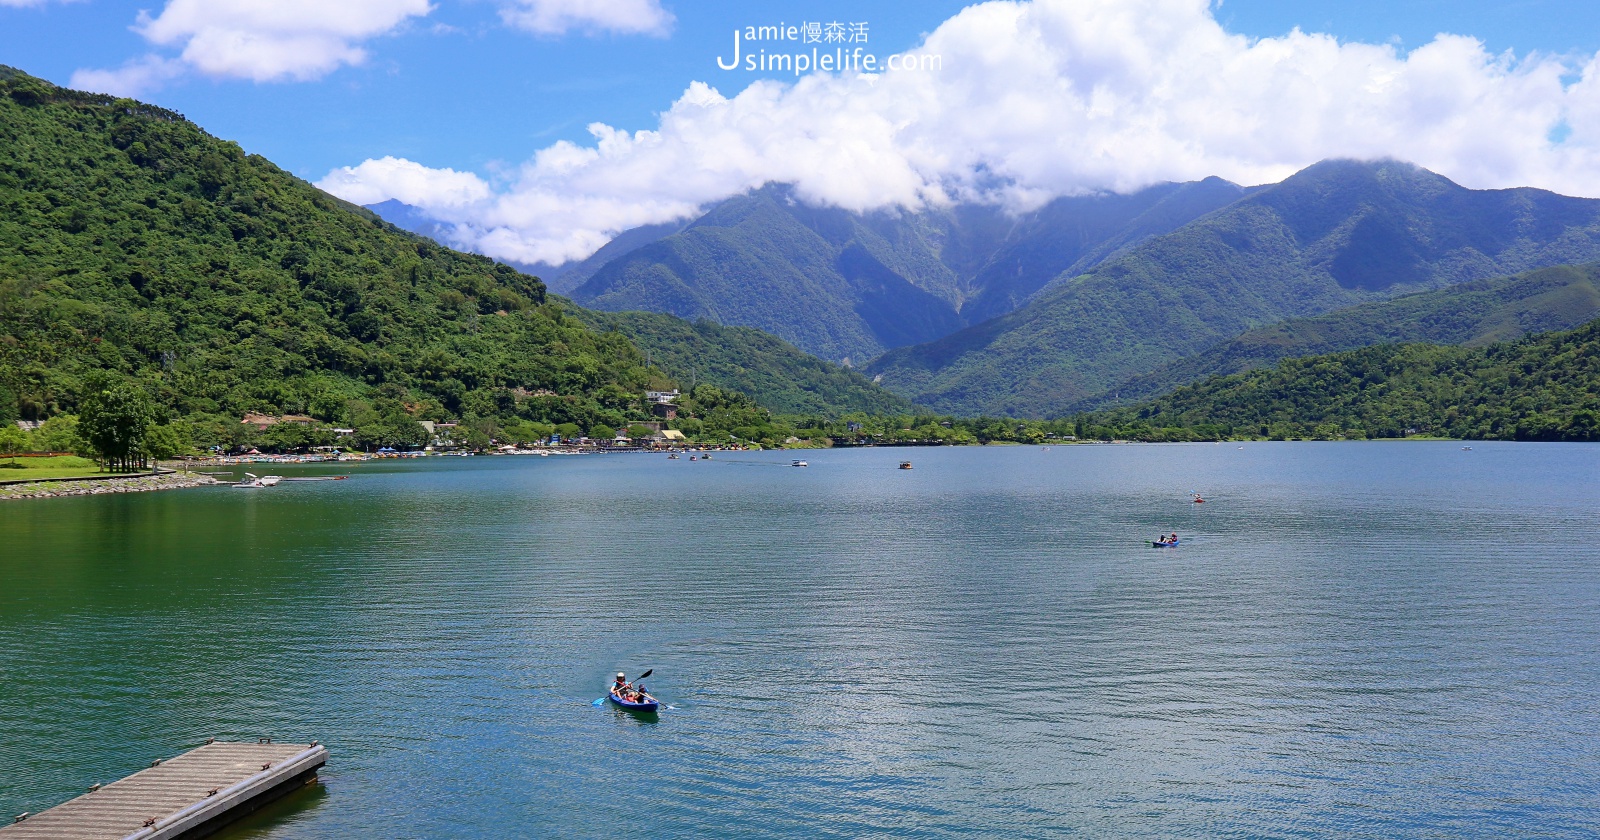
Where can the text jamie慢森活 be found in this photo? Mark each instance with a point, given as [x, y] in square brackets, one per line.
[840, 58]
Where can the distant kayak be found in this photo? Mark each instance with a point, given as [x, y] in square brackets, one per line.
[1154, 544]
[648, 704]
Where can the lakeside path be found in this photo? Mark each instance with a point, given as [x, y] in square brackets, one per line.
[95, 487]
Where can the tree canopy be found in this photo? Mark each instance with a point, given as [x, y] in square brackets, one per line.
[114, 418]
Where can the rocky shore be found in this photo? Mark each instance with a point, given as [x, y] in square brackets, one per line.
[95, 487]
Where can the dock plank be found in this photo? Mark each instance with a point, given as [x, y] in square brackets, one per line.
[184, 797]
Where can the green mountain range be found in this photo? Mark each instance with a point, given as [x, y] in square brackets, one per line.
[1469, 314]
[1542, 387]
[1337, 234]
[132, 242]
[848, 286]
[779, 376]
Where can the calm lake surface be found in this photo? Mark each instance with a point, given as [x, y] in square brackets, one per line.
[1354, 640]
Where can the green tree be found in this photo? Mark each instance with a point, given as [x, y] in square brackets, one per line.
[288, 437]
[60, 434]
[8, 406]
[114, 418]
[473, 437]
[166, 441]
[12, 439]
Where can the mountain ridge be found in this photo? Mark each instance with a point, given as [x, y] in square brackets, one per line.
[1539, 387]
[1336, 234]
[1468, 314]
[134, 243]
[848, 285]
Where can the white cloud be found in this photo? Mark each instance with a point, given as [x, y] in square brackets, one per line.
[131, 79]
[1053, 97]
[378, 180]
[557, 17]
[284, 39]
[247, 39]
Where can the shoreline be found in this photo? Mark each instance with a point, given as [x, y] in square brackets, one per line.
[60, 487]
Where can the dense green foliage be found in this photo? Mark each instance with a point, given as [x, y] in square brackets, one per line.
[114, 417]
[1335, 235]
[12, 440]
[1544, 387]
[779, 376]
[132, 242]
[759, 261]
[847, 285]
[1470, 314]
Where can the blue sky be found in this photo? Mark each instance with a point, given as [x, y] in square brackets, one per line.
[459, 99]
[488, 93]
[457, 107]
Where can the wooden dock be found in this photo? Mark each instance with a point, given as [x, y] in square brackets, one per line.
[190, 796]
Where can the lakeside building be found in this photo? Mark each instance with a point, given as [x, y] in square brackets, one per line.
[663, 404]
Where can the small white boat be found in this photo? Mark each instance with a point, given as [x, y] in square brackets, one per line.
[798, 463]
[256, 481]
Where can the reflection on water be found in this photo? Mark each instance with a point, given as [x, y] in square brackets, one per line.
[283, 814]
[1355, 639]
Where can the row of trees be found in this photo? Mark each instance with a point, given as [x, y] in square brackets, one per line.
[115, 423]
[1543, 387]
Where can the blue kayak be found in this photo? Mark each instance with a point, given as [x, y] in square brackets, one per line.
[650, 704]
[1154, 544]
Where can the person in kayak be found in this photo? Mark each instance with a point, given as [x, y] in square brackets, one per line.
[621, 685]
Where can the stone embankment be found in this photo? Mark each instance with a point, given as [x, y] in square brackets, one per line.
[97, 486]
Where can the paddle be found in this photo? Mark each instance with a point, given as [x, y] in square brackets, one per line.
[601, 701]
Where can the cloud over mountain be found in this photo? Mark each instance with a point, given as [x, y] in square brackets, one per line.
[1040, 99]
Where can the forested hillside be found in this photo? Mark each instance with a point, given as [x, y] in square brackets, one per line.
[1469, 314]
[1544, 387]
[1337, 234]
[133, 242]
[776, 374]
[848, 285]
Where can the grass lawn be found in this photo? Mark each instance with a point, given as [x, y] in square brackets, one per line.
[56, 466]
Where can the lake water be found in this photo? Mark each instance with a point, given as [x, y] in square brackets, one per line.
[1353, 640]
